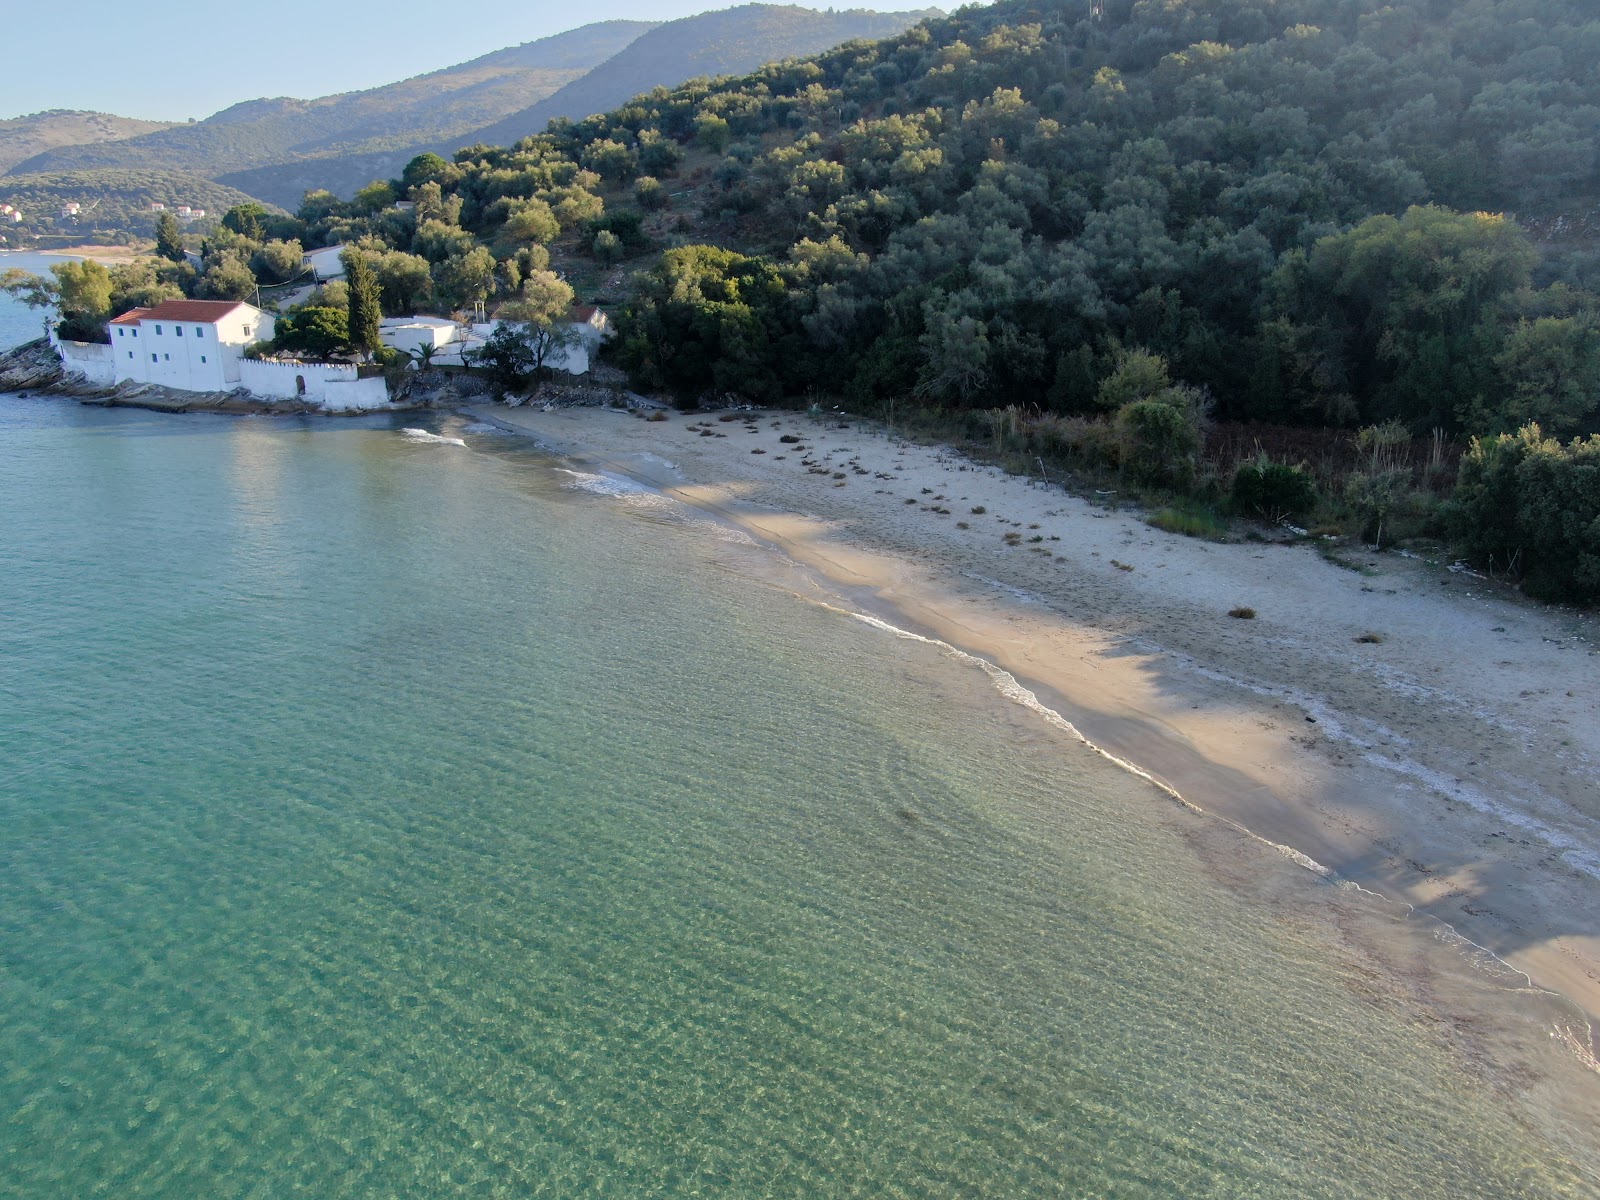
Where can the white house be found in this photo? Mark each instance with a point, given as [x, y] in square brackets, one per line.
[412, 333]
[324, 263]
[191, 345]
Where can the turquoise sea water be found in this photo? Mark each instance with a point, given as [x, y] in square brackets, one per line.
[386, 816]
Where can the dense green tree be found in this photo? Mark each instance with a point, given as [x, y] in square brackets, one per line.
[509, 357]
[169, 238]
[647, 190]
[426, 168]
[1528, 506]
[405, 281]
[83, 290]
[465, 279]
[376, 196]
[365, 309]
[278, 262]
[142, 283]
[313, 330]
[533, 221]
[249, 221]
[227, 276]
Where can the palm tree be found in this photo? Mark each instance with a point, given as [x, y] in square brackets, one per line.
[424, 355]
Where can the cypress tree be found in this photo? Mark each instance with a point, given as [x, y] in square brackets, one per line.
[365, 309]
[169, 237]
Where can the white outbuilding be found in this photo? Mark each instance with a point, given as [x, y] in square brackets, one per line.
[324, 262]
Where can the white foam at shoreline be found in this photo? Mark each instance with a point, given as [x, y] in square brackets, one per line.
[1481, 956]
[423, 437]
[642, 496]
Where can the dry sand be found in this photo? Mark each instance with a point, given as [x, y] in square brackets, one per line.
[106, 255]
[1451, 766]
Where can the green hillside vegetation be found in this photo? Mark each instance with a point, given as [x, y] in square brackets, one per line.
[115, 204]
[730, 42]
[22, 138]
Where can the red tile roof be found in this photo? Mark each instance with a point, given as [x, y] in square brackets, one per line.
[205, 312]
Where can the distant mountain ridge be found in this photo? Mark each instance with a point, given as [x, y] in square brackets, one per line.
[734, 41]
[424, 108]
[279, 148]
[22, 138]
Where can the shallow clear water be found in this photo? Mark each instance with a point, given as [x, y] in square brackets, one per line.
[386, 816]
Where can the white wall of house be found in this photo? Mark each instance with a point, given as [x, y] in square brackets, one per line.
[186, 355]
[88, 360]
[573, 358]
[325, 263]
[409, 333]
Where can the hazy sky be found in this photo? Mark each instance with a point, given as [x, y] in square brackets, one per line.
[172, 62]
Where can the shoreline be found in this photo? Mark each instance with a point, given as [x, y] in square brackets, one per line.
[105, 255]
[1420, 769]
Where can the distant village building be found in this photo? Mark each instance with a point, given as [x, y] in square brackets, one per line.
[71, 209]
[157, 206]
[192, 345]
[186, 213]
[324, 263]
[8, 213]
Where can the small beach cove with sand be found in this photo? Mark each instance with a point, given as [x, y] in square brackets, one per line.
[1411, 730]
[395, 806]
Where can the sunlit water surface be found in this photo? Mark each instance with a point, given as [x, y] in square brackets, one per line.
[387, 816]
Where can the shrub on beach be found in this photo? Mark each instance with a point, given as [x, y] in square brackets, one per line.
[1528, 506]
[1273, 490]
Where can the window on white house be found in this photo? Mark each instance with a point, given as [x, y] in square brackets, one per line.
[247, 331]
[119, 333]
[158, 331]
[199, 331]
[178, 329]
[153, 358]
[130, 353]
[202, 358]
[166, 358]
[135, 333]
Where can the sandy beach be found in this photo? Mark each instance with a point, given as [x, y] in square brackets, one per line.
[106, 255]
[1447, 762]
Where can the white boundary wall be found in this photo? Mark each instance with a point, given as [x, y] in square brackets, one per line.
[331, 385]
[89, 359]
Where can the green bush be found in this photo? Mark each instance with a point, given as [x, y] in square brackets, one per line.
[1273, 490]
[1529, 506]
[1191, 520]
[1161, 436]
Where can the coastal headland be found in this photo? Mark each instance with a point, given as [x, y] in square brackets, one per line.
[1405, 728]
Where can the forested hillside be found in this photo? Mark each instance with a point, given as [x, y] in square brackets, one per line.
[729, 42]
[115, 205]
[22, 138]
